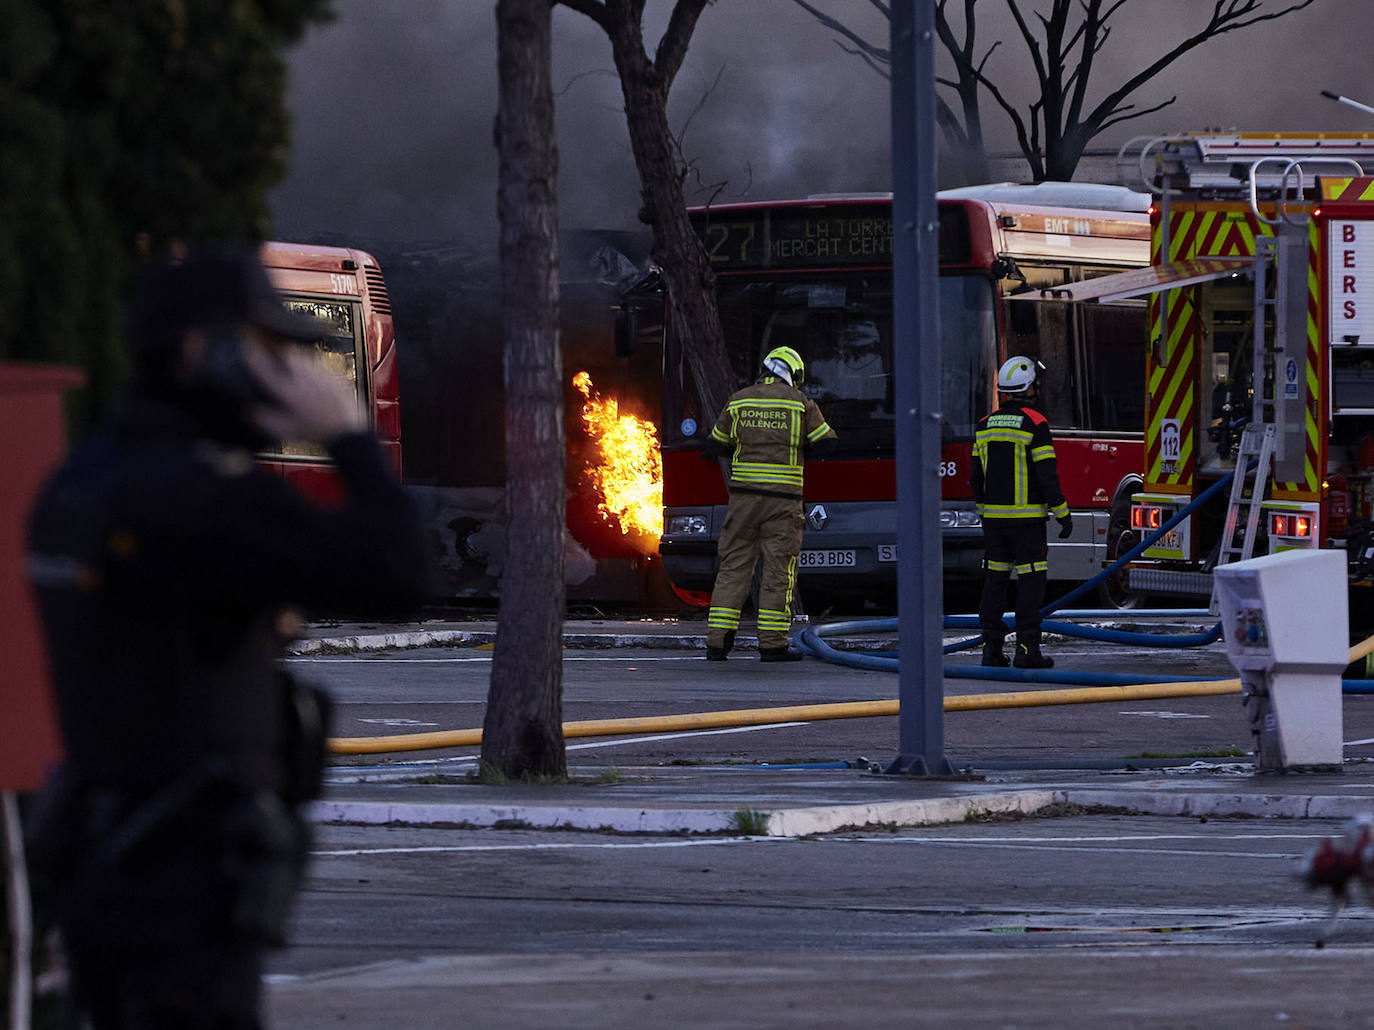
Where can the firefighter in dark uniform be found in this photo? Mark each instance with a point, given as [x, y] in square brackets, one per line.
[1016, 487]
[765, 427]
[163, 560]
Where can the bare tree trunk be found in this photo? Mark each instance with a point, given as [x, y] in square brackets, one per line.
[677, 249]
[522, 733]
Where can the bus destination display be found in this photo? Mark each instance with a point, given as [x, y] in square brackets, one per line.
[838, 235]
[798, 238]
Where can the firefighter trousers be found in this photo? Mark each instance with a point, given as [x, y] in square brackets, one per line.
[1013, 545]
[757, 527]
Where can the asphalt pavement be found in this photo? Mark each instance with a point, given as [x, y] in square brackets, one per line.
[797, 801]
[1040, 895]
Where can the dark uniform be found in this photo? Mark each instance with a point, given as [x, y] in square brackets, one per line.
[1015, 485]
[162, 557]
[766, 427]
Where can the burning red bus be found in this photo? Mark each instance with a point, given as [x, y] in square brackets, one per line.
[344, 289]
[816, 275]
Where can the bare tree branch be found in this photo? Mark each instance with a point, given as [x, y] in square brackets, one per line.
[864, 45]
[672, 48]
[1123, 117]
[1227, 16]
[584, 75]
[593, 9]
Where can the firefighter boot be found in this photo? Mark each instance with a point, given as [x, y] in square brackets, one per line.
[717, 654]
[778, 654]
[1028, 656]
[992, 654]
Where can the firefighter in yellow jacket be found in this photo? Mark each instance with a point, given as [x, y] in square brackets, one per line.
[1016, 486]
[764, 428]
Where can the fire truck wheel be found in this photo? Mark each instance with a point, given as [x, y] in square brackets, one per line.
[1120, 539]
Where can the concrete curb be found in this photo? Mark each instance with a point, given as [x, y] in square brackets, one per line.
[589, 641]
[574, 817]
[803, 821]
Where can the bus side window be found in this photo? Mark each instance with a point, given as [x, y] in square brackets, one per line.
[1114, 344]
[1050, 339]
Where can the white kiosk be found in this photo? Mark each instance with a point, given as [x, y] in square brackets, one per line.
[1285, 618]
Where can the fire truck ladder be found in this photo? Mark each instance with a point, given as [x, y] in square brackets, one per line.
[1254, 460]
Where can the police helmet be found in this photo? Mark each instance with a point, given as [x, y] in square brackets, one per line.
[785, 363]
[1017, 374]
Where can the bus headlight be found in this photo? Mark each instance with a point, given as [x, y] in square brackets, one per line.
[686, 525]
[959, 518]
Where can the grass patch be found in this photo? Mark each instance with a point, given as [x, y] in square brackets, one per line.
[489, 775]
[749, 822]
[1054, 810]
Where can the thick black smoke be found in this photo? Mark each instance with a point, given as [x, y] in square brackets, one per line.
[393, 107]
[393, 104]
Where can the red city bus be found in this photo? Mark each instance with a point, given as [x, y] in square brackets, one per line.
[343, 288]
[816, 275]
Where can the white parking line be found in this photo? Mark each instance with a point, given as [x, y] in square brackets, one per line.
[1025, 843]
[547, 846]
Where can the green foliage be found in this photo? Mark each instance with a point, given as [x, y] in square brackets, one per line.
[750, 821]
[124, 128]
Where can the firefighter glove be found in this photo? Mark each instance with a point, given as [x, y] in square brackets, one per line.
[1065, 526]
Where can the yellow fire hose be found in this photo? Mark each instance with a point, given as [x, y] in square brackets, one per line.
[812, 713]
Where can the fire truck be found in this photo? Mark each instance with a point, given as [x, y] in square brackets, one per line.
[1261, 351]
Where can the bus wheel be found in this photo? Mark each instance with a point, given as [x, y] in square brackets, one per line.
[1120, 539]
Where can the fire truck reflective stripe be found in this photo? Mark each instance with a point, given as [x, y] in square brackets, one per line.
[1360, 188]
[1309, 488]
[1027, 569]
[723, 618]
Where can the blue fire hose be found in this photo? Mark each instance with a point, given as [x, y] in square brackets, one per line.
[809, 639]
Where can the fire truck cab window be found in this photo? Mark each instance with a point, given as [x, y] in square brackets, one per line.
[1227, 338]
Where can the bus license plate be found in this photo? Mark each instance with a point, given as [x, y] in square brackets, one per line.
[835, 559]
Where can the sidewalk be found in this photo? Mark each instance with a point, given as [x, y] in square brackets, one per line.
[785, 801]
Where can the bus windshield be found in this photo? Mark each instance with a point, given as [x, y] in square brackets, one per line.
[841, 324]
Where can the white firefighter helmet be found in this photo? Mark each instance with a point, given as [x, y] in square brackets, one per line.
[1017, 374]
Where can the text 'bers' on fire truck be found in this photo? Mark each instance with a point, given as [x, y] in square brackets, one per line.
[1261, 357]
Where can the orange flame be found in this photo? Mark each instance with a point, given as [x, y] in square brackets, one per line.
[629, 478]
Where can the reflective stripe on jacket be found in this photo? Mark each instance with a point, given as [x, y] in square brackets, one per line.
[767, 425]
[1014, 473]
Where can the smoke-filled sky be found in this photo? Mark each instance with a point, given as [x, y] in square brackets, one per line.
[393, 104]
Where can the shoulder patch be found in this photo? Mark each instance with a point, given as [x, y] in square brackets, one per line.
[1034, 416]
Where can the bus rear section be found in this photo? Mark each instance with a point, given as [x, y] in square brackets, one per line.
[816, 275]
[344, 289]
